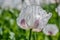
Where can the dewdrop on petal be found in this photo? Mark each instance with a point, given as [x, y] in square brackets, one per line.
[58, 9]
[50, 29]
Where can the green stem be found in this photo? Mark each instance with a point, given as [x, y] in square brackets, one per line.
[30, 34]
[50, 38]
[34, 36]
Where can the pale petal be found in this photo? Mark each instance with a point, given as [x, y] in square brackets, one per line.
[22, 25]
[36, 30]
[27, 2]
[19, 21]
[46, 18]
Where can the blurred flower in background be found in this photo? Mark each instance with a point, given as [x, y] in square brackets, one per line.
[58, 1]
[7, 4]
[12, 4]
[19, 3]
[1, 2]
[50, 29]
[12, 36]
[50, 1]
[58, 9]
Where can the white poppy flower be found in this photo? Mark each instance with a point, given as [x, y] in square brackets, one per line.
[7, 3]
[50, 29]
[12, 4]
[1, 2]
[58, 10]
[35, 17]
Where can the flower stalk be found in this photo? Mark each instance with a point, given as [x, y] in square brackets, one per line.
[30, 34]
[50, 38]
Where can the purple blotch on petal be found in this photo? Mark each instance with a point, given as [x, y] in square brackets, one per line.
[36, 23]
[50, 33]
[22, 22]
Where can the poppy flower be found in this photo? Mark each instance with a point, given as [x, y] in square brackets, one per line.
[50, 29]
[33, 17]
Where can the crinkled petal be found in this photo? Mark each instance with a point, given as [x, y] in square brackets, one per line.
[46, 18]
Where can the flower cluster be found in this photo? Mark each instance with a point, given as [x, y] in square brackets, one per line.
[32, 15]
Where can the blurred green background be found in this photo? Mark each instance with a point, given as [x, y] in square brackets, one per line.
[9, 29]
